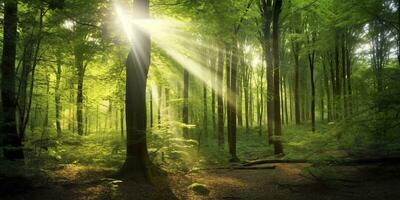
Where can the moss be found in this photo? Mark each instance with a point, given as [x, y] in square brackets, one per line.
[199, 189]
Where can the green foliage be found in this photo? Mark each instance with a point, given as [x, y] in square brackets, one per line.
[169, 150]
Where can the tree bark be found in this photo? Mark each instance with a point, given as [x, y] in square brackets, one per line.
[137, 164]
[220, 99]
[337, 79]
[151, 108]
[205, 117]
[285, 100]
[311, 59]
[328, 93]
[233, 90]
[296, 49]
[214, 88]
[79, 95]
[12, 144]
[278, 148]
[57, 96]
[344, 82]
[185, 111]
[267, 14]
[228, 63]
[159, 105]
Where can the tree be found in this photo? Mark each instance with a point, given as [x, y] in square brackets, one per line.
[185, 111]
[137, 164]
[57, 96]
[267, 15]
[275, 49]
[311, 61]
[220, 103]
[11, 140]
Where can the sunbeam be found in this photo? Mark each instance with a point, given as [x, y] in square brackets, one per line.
[171, 36]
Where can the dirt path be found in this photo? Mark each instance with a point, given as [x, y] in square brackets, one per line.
[286, 181]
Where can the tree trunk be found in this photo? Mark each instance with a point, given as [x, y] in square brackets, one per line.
[296, 49]
[232, 105]
[220, 99]
[337, 76]
[151, 108]
[12, 144]
[291, 101]
[344, 88]
[267, 14]
[246, 96]
[185, 111]
[285, 100]
[349, 85]
[205, 117]
[159, 105]
[333, 83]
[278, 148]
[214, 89]
[311, 59]
[282, 103]
[228, 101]
[57, 96]
[239, 107]
[328, 93]
[137, 164]
[79, 96]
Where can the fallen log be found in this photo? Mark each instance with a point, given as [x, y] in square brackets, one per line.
[266, 161]
[240, 168]
[346, 161]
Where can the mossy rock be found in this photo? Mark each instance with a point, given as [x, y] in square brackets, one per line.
[199, 189]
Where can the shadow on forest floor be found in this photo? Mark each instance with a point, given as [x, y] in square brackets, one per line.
[286, 181]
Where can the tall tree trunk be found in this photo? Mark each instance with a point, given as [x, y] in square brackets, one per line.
[349, 85]
[246, 96]
[166, 90]
[185, 111]
[281, 101]
[291, 101]
[205, 117]
[239, 107]
[137, 164]
[333, 83]
[12, 144]
[328, 93]
[228, 63]
[296, 49]
[122, 122]
[285, 100]
[311, 59]
[278, 148]
[337, 79]
[79, 96]
[22, 95]
[251, 102]
[214, 88]
[57, 96]
[151, 108]
[159, 105]
[267, 14]
[232, 105]
[344, 88]
[220, 99]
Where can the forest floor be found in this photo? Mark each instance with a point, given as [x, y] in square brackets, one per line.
[286, 181]
[83, 168]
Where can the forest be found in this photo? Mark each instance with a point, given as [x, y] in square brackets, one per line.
[200, 99]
